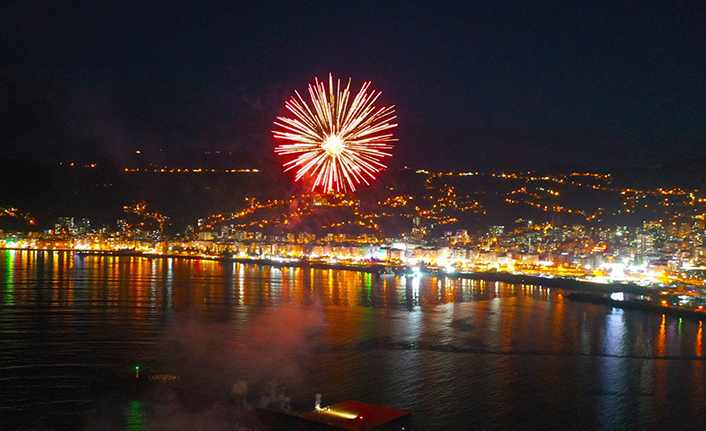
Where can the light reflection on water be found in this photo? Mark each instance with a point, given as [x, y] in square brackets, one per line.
[452, 351]
[136, 416]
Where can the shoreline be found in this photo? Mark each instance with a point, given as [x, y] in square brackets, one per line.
[634, 304]
[382, 269]
[580, 291]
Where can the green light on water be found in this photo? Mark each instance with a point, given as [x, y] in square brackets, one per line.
[7, 296]
[136, 416]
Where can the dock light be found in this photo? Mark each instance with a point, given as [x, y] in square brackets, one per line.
[137, 371]
[341, 414]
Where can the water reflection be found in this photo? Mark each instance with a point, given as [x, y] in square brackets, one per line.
[136, 417]
[449, 349]
[700, 339]
[143, 287]
[662, 337]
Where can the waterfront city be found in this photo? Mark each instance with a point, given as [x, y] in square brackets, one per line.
[282, 216]
[664, 255]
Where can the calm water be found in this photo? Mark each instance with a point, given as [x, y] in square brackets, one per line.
[458, 354]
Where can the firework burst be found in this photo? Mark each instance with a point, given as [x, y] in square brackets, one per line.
[337, 140]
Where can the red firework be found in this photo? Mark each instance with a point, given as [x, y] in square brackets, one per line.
[335, 141]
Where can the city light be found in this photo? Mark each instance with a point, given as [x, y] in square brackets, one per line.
[665, 252]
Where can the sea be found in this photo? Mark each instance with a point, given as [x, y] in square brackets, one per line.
[458, 354]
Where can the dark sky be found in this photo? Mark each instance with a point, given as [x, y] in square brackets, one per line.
[477, 85]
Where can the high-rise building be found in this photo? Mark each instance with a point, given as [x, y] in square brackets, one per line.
[645, 243]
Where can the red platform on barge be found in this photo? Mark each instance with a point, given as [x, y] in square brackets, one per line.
[348, 416]
[357, 416]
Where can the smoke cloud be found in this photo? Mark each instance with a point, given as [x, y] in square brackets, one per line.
[227, 369]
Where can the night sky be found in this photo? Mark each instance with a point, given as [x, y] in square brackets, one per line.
[477, 85]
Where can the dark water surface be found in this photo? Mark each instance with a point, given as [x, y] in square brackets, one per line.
[458, 354]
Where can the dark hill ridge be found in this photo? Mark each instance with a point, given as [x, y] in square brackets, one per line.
[101, 192]
[25, 184]
[687, 173]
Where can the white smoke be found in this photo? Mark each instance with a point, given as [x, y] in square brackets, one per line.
[276, 400]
